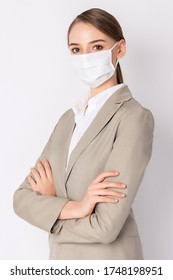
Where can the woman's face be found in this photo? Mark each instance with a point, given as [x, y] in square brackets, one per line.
[85, 38]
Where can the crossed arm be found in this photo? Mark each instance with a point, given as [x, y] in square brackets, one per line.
[99, 221]
[41, 180]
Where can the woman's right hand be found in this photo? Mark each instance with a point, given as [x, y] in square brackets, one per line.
[97, 191]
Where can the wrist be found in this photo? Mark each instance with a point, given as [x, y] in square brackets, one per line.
[71, 210]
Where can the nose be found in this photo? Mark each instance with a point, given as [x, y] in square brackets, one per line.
[85, 49]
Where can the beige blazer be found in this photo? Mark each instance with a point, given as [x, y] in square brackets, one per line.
[119, 138]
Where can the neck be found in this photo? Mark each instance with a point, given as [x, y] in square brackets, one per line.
[110, 83]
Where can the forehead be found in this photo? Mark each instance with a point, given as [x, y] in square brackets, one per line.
[84, 32]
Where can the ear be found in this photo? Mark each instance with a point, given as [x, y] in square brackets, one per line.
[121, 48]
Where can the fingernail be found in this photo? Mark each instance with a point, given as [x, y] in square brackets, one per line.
[116, 200]
[124, 186]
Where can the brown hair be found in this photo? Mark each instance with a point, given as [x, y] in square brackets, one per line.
[106, 23]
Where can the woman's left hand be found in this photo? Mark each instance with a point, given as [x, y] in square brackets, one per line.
[42, 180]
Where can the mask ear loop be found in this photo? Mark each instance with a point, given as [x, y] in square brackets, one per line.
[117, 58]
[114, 46]
[116, 63]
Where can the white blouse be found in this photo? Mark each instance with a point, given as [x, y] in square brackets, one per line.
[83, 121]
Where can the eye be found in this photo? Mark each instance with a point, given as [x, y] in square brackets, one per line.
[98, 47]
[75, 50]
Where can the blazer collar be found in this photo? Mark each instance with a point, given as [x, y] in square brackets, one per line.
[106, 112]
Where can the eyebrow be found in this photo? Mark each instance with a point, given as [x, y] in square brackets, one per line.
[92, 42]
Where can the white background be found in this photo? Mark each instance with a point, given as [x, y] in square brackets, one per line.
[37, 85]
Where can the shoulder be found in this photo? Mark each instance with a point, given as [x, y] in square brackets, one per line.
[62, 123]
[65, 118]
[135, 117]
[131, 109]
[66, 115]
[135, 110]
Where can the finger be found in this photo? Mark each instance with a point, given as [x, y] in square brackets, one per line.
[106, 192]
[106, 199]
[41, 169]
[110, 184]
[31, 181]
[104, 175]
[36, 174]
[48, 169]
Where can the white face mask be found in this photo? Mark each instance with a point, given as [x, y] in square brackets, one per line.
[94, 68]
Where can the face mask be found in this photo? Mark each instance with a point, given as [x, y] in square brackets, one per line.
[94, 68]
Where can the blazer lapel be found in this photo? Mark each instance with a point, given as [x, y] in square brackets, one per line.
[63, 152]
[102, 118]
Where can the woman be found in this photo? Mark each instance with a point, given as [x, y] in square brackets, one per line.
[83, 185]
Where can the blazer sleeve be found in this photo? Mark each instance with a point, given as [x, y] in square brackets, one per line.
[37, 209]
[130, 155]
